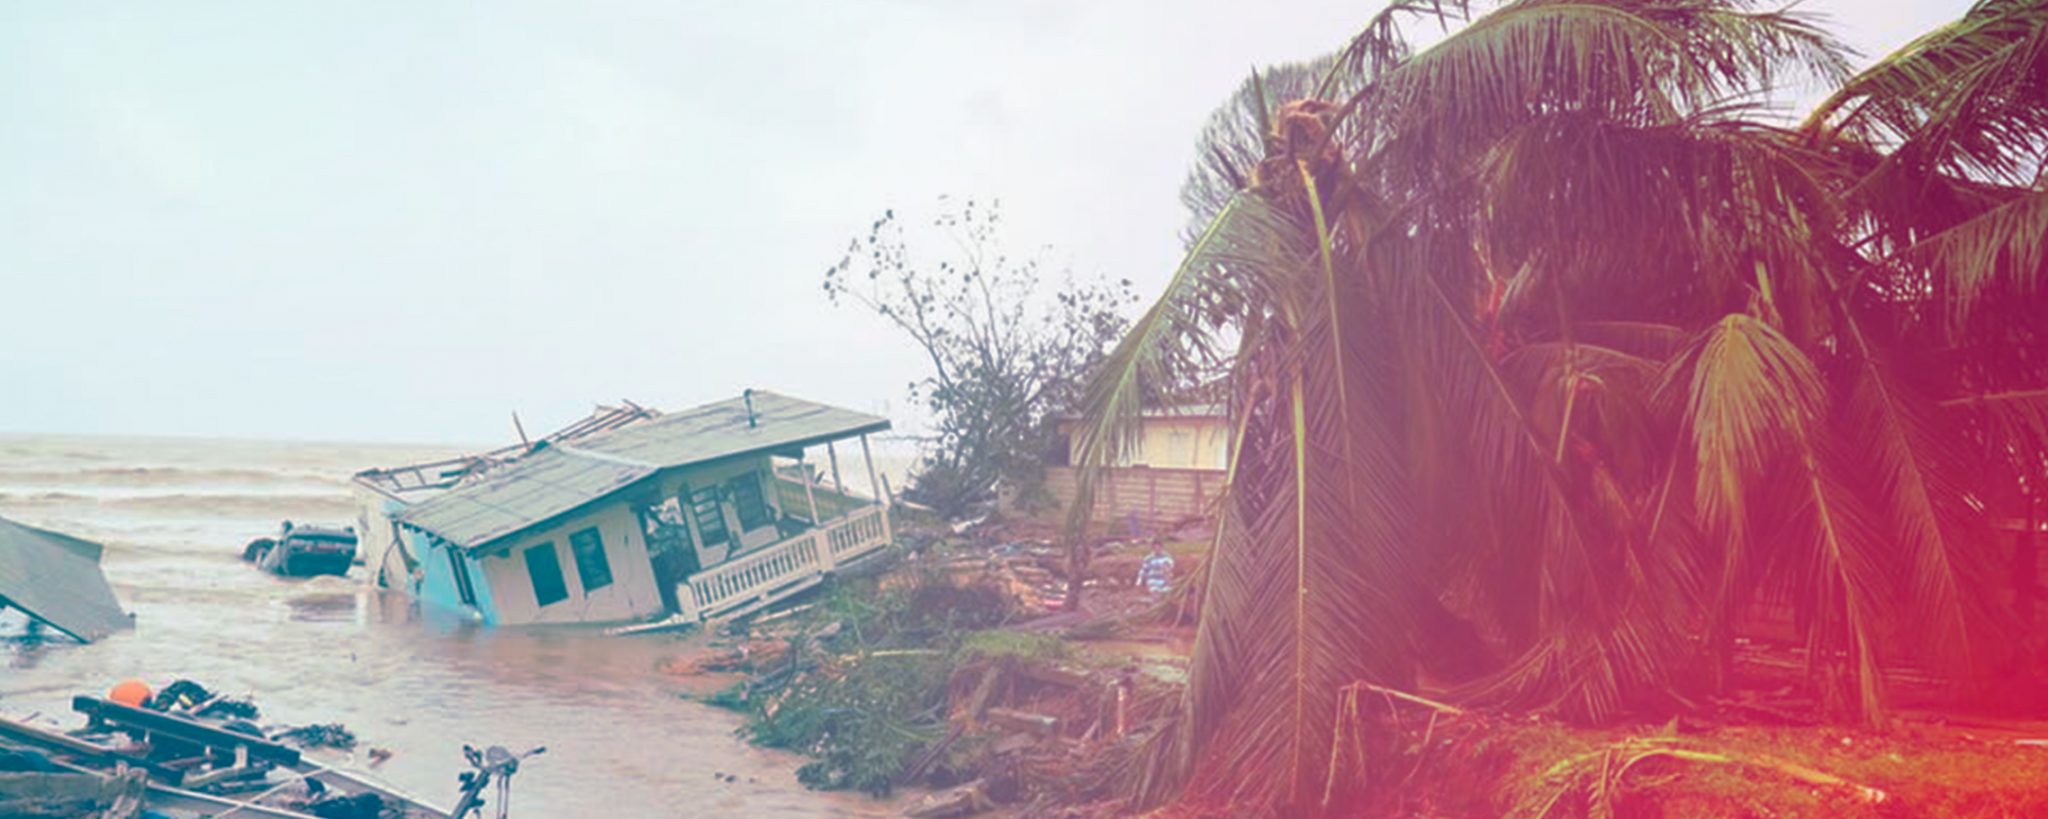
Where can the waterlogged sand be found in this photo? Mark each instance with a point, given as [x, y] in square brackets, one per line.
[622, 739]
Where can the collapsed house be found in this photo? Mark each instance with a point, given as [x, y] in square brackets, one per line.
[630, 516]
[56, 580]
[382, 493]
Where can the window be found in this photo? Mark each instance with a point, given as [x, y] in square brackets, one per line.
[746, 500]
[710, 518]
[546, 571]
[591, 565]
[460, 568]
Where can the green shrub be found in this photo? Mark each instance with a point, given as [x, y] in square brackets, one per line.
[862, 718]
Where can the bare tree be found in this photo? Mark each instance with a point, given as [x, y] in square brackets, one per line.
[1006, 355]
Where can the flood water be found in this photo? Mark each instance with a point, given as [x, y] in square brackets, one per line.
[174, 515]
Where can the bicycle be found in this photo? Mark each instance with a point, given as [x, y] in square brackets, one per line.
[494, 764]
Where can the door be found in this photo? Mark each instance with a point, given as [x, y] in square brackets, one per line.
[712, 522]
[670, 551]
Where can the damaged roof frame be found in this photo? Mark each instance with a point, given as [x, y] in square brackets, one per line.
[553, 481]
[56, 580]
[397, 482]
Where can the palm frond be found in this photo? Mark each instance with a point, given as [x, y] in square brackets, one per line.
[1651, 61]
[1379, 44]
[2001, 251]
[1749, 393]
[1179, 333]
[1234, 140]
[1841, 576]
[1914, 482]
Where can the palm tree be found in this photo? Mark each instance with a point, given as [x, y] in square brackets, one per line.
[1553, 356]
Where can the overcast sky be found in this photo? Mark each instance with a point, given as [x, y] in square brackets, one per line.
[404, 220]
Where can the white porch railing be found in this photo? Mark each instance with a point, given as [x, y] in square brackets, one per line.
[759, 574]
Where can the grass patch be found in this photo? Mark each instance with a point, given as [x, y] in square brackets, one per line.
[996, 644]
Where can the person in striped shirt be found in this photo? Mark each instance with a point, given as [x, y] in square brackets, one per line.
[1156, 573]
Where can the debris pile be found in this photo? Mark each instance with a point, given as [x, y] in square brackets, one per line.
[191, 698]
[332, 735]
[37, 792]
[961, 671]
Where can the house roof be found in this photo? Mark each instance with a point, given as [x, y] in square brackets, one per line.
[415, 482]
[560, 478]
[1198, 410]
[55, 578]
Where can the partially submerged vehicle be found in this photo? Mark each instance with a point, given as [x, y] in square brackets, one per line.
[304, 551]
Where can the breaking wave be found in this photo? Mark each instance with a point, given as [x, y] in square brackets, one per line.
[190, 504]
[160, 476]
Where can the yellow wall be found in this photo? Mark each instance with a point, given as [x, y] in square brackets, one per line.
[1180, 443]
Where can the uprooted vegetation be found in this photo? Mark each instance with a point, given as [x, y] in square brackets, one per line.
[868, 692]
[950, 672]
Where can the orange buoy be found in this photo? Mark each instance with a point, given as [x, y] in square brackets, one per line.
[132, 693]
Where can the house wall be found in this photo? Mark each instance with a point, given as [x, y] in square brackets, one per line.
[1179, 443]
[717, 473]
[504, 588]
[1151, 497]
[631, 596]
[376, 534]
[435, 584]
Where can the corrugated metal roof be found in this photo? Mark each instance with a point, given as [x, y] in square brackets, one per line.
[415, 482]
[556, 480]
[56, 579]
[1208, 410]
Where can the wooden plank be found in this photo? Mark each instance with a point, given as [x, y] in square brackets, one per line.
[837, 485]
[874, 485]
[181, 728]
[47, 737]
[89, 751]
[1152, 494]
[1015, 720]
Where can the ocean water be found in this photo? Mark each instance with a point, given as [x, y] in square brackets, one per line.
[174, 514]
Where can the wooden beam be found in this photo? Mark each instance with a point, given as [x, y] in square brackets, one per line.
[837, 485]
[803, 470]
[119, 715]
[874, 485]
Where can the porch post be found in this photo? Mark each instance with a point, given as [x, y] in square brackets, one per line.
[803, 470]
[836, 485]
[686, 602]
[881, 497]
[874, 485]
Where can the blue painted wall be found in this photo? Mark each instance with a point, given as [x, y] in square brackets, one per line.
[437, 583]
